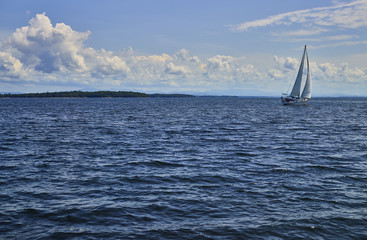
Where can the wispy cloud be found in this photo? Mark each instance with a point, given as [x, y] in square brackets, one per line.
[289, 38]
[343, 15]
[300, 33]
[344, 43]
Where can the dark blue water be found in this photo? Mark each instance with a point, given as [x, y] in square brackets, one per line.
[197, 168]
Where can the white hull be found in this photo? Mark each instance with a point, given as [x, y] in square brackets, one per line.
[294, 101]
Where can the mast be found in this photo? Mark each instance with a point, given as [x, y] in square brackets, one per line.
[296, 91]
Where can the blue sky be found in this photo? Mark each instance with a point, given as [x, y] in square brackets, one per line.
[234, 47]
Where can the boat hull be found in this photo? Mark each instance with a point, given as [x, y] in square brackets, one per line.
[294, 101]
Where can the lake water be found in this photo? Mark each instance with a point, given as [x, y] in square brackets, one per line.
[183, 168]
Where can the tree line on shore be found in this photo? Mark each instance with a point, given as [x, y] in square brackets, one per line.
[97, 94]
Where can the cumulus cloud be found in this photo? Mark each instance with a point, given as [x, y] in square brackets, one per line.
[44, 48]
[287, 64]
[183, 55]
[46, 53]
[176, 70]
[47, 48]
[10, 67]
[219, 63]
[146, 68]
[275, 74]
[228, 65]
[284, 66]
[341, 73]
[104, 63]
[231, 68]
[323, 73]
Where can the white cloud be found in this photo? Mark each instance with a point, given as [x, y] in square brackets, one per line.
[56, 56]
[275, 74]
[219, 63]
[155, 59]
[343, 38]
[145, 70]
[10, 67]
[345, 15]
[299, 36]
[338, 44]
[183, 55]
[228, 70]
[323, 73]
[284, 67]
[41, 48]
[287, 64]
[342, 73]
[328, 26]
[46, 48]
[176, 70]
[328, 69]
[300, 33]
[104, 63]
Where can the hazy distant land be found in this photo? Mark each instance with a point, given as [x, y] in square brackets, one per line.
[97, 94]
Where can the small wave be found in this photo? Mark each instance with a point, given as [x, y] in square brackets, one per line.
[246, 154]
[155, 163]
[284, 170]
[327, 168]
[7, 167]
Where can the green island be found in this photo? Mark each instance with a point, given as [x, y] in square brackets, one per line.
[97, 94]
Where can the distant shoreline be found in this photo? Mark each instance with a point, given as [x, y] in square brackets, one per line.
[131, 94]
[96, 94]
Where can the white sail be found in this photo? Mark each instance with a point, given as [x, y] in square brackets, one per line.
[295, 98]
[296, 91]
[308, 85]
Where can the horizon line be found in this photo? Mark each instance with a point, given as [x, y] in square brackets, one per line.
[180, 93]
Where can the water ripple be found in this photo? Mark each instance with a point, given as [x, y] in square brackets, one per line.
[201, 168]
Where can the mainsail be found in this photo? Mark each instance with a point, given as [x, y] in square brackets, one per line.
[307, 90]
[296, 91]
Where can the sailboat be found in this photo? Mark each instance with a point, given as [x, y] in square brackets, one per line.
[295, 97]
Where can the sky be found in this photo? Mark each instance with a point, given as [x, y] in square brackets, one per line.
[204, 47]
